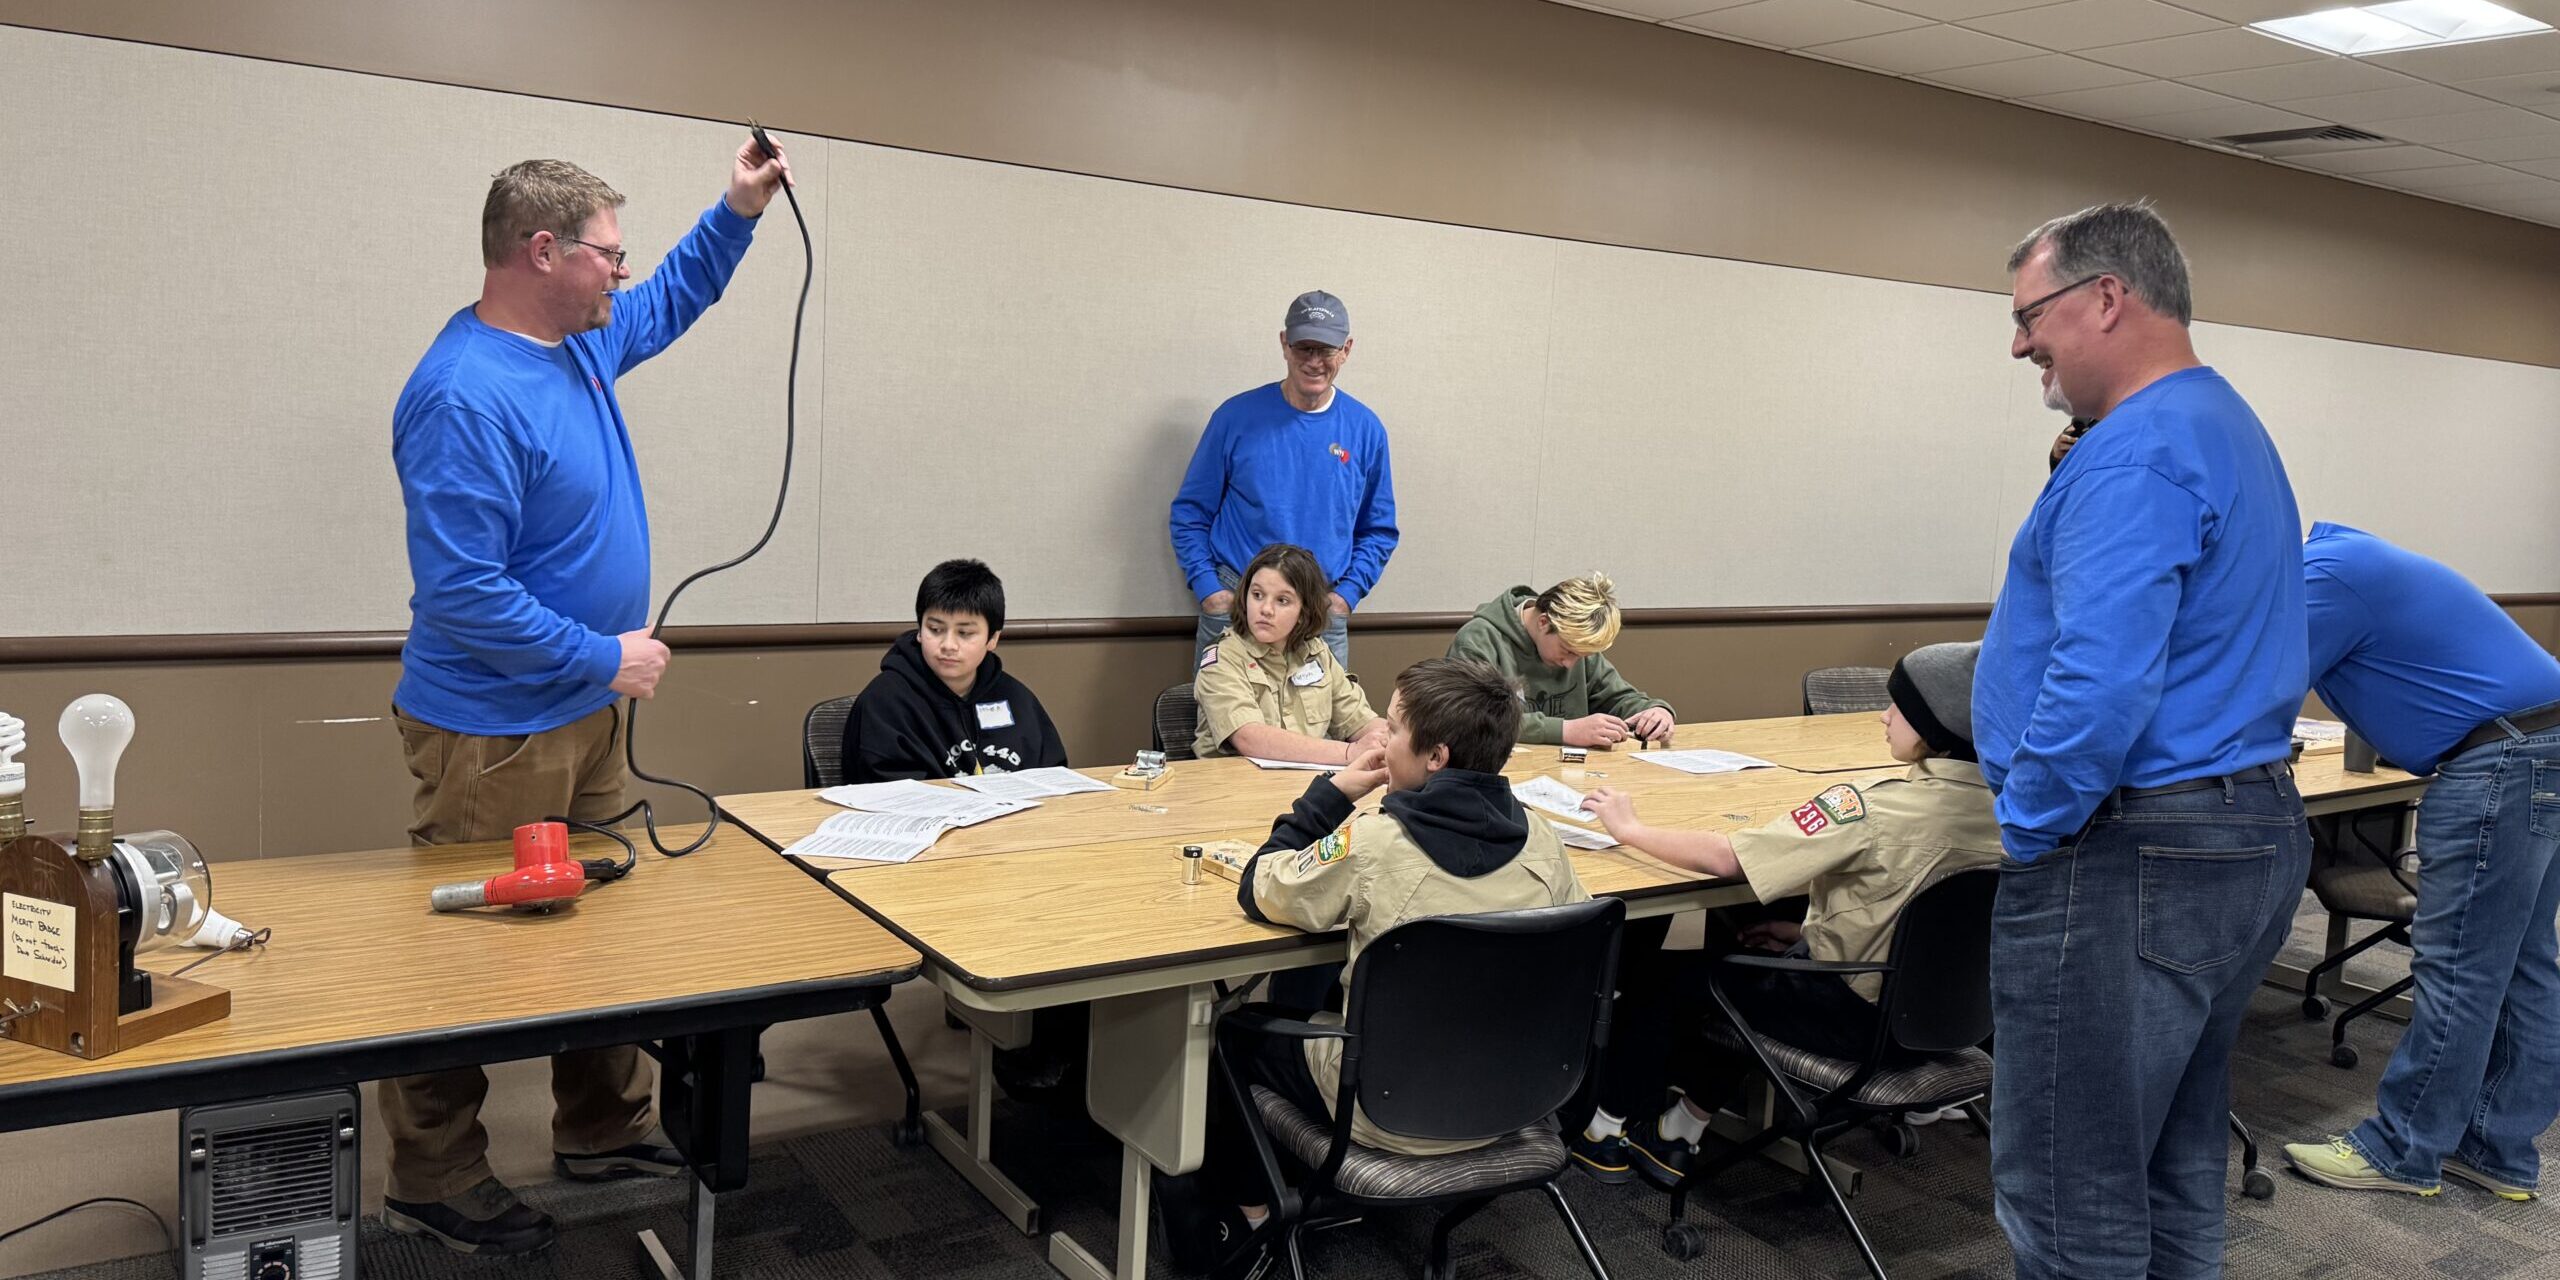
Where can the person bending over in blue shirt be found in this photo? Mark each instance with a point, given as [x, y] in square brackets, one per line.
[529, 558]
[2133, 711]
[1297, 462]
[2442, 681]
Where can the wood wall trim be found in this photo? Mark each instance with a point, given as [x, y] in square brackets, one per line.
[321, 646]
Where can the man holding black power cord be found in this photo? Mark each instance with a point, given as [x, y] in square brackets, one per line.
[529, 557]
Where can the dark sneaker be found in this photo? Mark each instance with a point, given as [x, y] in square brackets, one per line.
[487, 1219]
[1245, 1253]
[639, 1160]
[1604, 1159]
[1664, 1162]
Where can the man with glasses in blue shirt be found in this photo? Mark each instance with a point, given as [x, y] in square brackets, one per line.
[529, 559]
[2133, 710]
[1296, 461]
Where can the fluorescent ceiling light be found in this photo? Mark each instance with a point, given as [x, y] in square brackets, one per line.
[2402, 24]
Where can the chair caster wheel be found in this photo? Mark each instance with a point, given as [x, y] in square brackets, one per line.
[755, 1074]
[2342, 1055]
[2258, 1184]
[908, 1133]
[1902, 1140]
[1684, 1241]
[2315, 1009]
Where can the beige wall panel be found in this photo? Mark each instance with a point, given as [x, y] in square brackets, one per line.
[2447, 456]
[1724, 433]
[224, 350]
[1026, 360]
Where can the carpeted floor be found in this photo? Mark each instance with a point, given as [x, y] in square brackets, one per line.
[849, 1206]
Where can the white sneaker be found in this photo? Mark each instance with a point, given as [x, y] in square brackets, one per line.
[1917, 1118]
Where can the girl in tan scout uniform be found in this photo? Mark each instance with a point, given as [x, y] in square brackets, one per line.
[1861, 854]
[1271, 688]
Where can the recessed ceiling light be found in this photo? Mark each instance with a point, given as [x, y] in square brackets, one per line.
[2401, 24]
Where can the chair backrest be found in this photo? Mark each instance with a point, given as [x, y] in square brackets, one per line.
[1831, 690]
[822, 743]
[1177, 722]
[1938, 998]
[1472, 1026]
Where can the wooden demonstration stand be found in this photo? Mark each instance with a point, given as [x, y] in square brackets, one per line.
[67, 977]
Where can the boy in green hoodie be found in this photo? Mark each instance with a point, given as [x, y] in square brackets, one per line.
[1552, 642]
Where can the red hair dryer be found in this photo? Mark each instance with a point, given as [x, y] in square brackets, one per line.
[545, 876]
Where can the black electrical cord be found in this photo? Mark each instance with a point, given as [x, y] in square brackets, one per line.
[790, 438]
[167, 1237]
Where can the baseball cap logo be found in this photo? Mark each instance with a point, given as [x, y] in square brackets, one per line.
[1315, 313]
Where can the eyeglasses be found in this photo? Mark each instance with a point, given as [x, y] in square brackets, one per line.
[614, 256]
[2025, 317]
[1315, 351]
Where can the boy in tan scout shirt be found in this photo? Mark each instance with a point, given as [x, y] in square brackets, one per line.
[1450, 839]
[1271, 687]
[1861, 854]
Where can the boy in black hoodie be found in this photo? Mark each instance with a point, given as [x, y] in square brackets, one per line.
[1450, 839]
[942, 706]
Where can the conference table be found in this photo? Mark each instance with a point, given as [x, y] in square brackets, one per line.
[1083, 900]
[360, 981]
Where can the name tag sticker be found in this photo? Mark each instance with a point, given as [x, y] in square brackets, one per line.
[995, 715]
[1312, 673]
[36, 941]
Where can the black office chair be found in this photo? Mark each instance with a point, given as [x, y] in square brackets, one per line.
[1457, 1027]
[822, 765]
[2355, 876]
[1936, 1001]
[1177, 722]
[1831, 690]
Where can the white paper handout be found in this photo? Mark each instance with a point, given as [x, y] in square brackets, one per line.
[1583, 837]
[1032, 784]
[2310, 730]
[870, 837]
[1260, 763]
[1704, 760]
[1543, 792]
[916, 799]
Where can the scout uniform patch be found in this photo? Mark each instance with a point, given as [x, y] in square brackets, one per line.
[1842, 803]
[1809, 818]
[1329, 849]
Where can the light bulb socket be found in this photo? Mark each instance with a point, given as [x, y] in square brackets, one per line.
[97, 834]
[13, 817]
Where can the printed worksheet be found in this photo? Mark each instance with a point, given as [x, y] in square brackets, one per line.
[922, 800]
[1543, 792]
[870, 837]
[1032, 784]
[1704, 760]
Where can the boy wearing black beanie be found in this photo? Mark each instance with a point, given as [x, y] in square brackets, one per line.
[1860, 854]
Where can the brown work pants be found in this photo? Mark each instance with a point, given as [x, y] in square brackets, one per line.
[473, 788]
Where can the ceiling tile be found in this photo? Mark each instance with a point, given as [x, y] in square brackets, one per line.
[2130, 101]
[2545, 199]
[2478, 60]
[1653, 10]
[2087, 24]
[2217, 122]
[2414, 98]
[2532, 146]
[1951, 10]
[2247, 11]
[2375, 160]
[2205, 52]
[2027, 77]
[2325, 76]
[2547, 168]
[2536, 91]
[2448, 179]
[2463, 126]
[1925, 49]
[1793, 24]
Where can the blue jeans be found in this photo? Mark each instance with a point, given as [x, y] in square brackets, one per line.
[1213, 627]
[2477, 1074]
[2120, 967]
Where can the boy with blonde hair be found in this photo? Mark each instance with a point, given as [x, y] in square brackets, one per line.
[1551, 642]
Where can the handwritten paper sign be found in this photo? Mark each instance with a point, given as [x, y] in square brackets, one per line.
[36, 941]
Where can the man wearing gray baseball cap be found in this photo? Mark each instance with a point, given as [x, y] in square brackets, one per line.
[1296, 461]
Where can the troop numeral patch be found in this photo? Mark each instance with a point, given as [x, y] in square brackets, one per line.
[1810, 819]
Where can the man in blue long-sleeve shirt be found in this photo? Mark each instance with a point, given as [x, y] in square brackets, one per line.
[2416, 659]
[529, 559]
[2133, 712]
[1297, 461]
